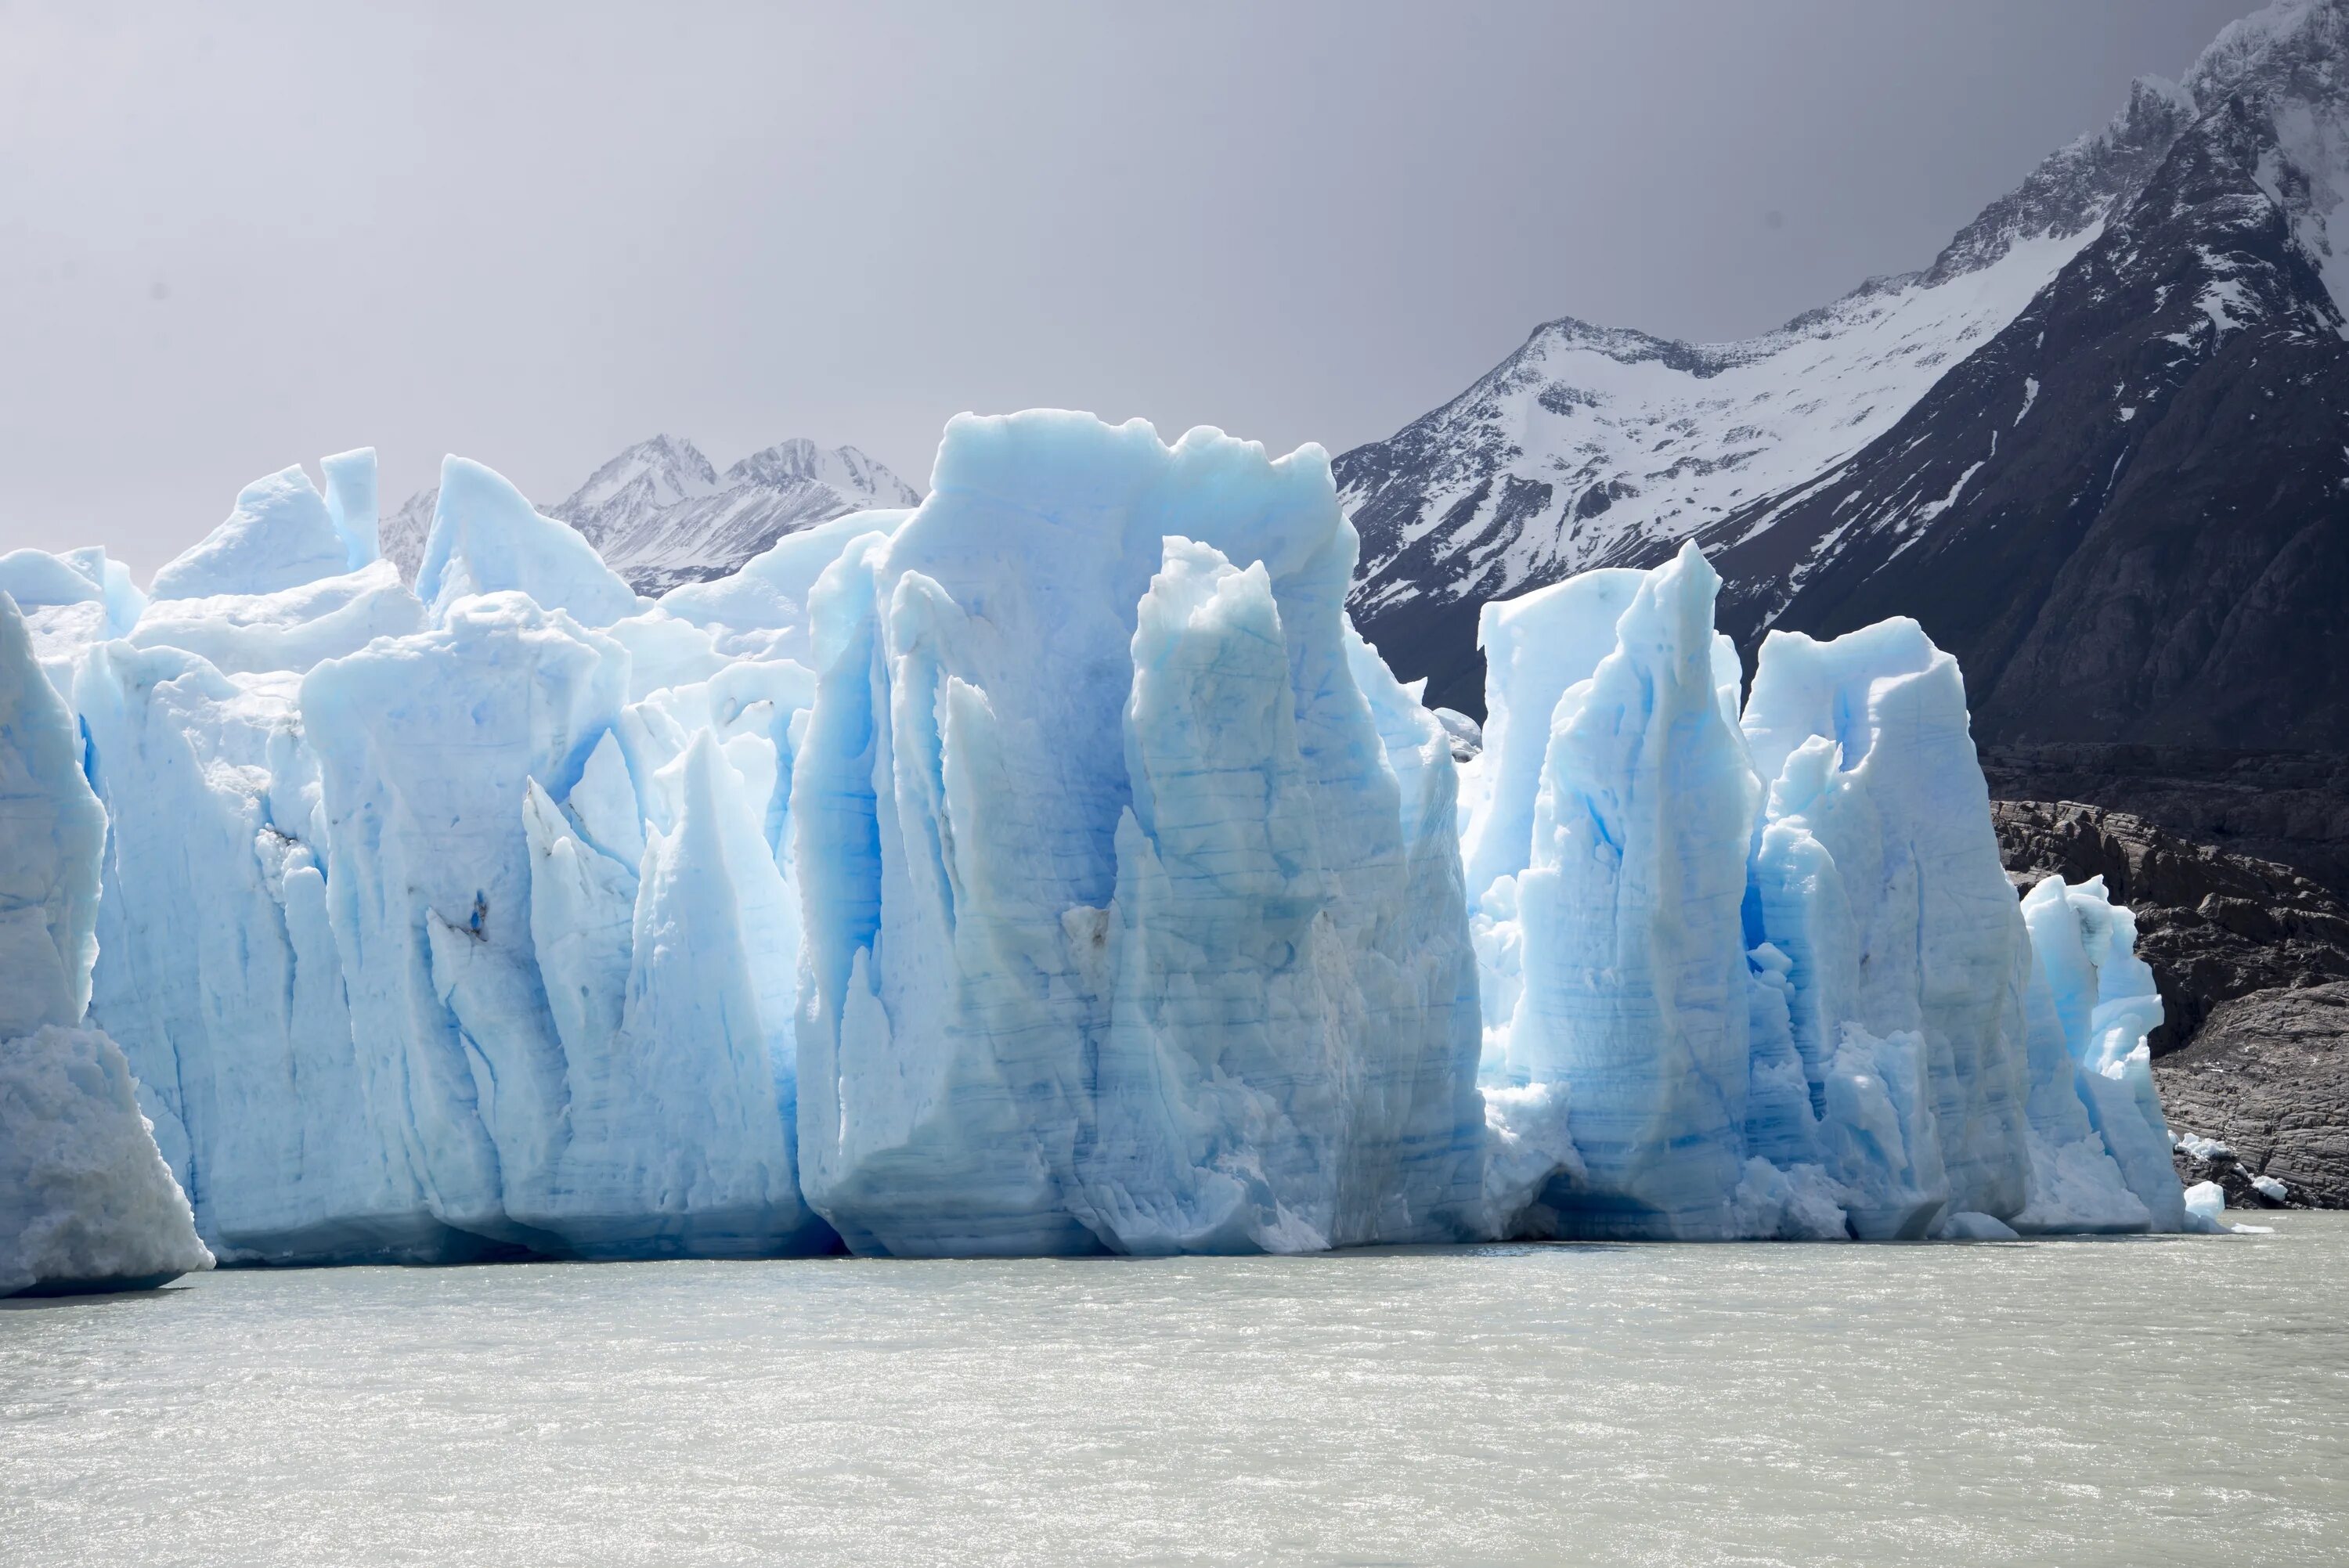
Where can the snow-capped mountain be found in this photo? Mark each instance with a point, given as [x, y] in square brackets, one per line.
[400, 536]
[2187, 244]
[661, 514]
[625, 493]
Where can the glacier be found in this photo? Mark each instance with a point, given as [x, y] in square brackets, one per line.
[1111, 934]
[1047, 868]
[1768, 953]
[87, 1202]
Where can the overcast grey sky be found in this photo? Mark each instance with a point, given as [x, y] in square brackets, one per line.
[234, 237]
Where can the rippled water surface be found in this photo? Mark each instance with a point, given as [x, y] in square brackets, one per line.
[2082, 1402]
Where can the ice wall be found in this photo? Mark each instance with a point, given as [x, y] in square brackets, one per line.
[2094, 997]
[1634, 976]
[1047, 868]
[1769, 957]
[51, 831]
[86, 1201]
[438, 931]
[1109, 937]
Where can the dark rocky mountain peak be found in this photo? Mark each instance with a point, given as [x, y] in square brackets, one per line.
[2101, 345]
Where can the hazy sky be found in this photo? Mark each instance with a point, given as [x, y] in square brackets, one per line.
[234, 237]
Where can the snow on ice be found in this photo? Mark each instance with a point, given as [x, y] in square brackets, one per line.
[1047, 868]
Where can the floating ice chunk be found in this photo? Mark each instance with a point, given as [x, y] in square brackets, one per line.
[2206, 1208]
[1968, 1226]
[2268, 1187]
[291, 629]
[487, 538]
[351, 503]
[280, 536]
[52, 831]
[85, 1202]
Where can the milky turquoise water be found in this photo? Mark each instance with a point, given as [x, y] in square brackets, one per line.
[2130, 1402]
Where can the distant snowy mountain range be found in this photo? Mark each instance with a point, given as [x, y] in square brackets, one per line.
[2100, 447]
[660, 514]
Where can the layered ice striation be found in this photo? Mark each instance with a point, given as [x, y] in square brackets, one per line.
[1048, 868]
[1131, 909]
[86, 1200]
[1767, 956]
[449, 927]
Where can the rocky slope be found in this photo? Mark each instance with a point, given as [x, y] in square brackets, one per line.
[2283, 806]
[2252, 961]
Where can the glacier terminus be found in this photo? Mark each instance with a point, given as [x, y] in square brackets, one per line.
[1044, 868]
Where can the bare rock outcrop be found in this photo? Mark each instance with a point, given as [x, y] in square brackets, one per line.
[2252, 960]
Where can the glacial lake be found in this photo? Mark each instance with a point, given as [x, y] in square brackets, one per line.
[2125, 1402]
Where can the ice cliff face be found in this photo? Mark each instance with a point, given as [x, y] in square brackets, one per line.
[1122, 936]
[1769, 960]
[464, 923]
[86, 1200]
[1049, 868]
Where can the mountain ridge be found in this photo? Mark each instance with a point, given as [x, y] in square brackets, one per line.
[1592, 446]
[661, 514]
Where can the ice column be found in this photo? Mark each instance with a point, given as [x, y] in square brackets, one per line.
[2099, 1001]
[1107, 878]
[1635, 989]
[1877, 872]
[86, 1201]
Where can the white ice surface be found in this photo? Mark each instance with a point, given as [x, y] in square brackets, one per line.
[1050, 867]
[86, 1198]
[86, 1201]
[1119, 933]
